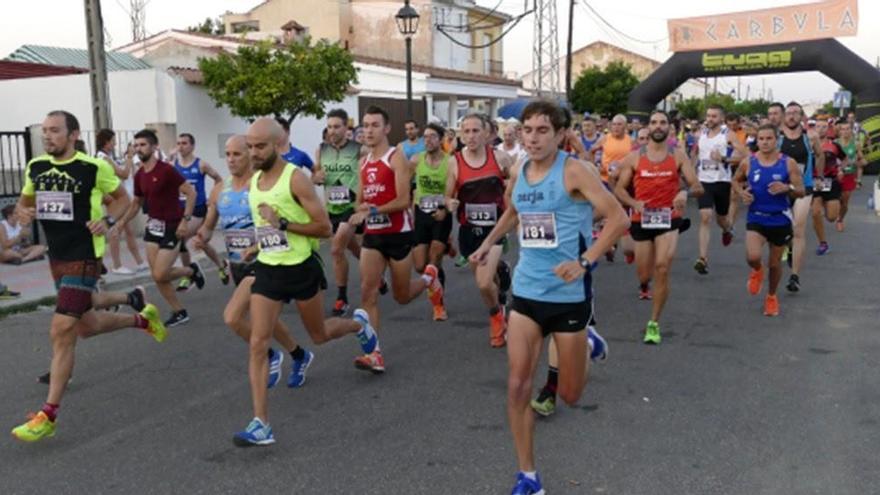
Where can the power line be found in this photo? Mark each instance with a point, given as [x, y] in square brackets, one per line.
[515, 21]
[637, 40]
[470, 25]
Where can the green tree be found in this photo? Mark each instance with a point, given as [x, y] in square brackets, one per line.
[695, 107]
[288, 80]
[603, 91]
[208, 26]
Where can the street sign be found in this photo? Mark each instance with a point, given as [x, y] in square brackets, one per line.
[842, 99]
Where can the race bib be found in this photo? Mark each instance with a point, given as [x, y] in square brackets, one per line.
[827, 182]
[156, 227]
[53, 205]
[271, 239]
[657, 218]
[378, 221]
[538, 230]
[238, 240]
[338, 195]
[429, 204]
[481, 214]
[709, 166]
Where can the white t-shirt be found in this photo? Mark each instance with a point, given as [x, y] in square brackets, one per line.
[11, 232]
[127, 183]
[709, 170]
[517, 153]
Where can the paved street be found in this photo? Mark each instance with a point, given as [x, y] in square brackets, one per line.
[732, 402]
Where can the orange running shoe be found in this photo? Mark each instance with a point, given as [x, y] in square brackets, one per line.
[497, 329]
[435, 289]
[771, 306]
[756, 278]
[373, 362]
[440, 313]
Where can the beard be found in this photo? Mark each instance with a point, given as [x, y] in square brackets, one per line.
[659, 136]
[144, 157]
[267, 163]
[797, 124]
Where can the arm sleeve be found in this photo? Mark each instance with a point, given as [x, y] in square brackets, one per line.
[106, 182]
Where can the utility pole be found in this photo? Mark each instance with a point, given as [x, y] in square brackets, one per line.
[545, 51]
[715, 87]
[738, 85]
[568, 52]
[97, 66]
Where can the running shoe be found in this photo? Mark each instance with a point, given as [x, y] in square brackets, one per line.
[123, 270]
[435, 288]
[298, 371]
[383, 288]
[840, 226]
[598, 345]
[7, 294]
[198, 275]
[461, 261]
[794, 283]
[756, 279]
[155, 327]
[177, 318]
[727, 237]
[644, 292]
[771, 305]
[822, 249]
[527, 486]
[367, 334]
[702, 266]
[440, 313]
[340, 307]
[373, 362]
[223, 273]
[256, 433]
[275, 360]
[38, 427]
[545, 403]
[652, 333]
[137, 298]
[497, 329]
[184, 285]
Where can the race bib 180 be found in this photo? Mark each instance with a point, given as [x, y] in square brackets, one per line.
[271, 239]
[53, 205]
[481, 214]
[538, 230]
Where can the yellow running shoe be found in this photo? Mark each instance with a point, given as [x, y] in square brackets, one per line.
[155, 327]
[37, 428]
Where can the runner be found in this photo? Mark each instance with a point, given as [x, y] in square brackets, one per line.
[608, 152]
[291, 153]
[735, 128]
[228, 205]
[828, 195]
[510, 144]
[383, 202]
[475, 190]
[655, 171]
[63, 189]
[549, 289]
[194, 170]
[413, 144]
[765, 181]
[713, 170]
[590, 134]
[806, 150]
[854, 162]
[158, 185]
[288, 218]
[433, 224]
[337, 169]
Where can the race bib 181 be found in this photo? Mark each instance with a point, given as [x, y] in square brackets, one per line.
[538, 230]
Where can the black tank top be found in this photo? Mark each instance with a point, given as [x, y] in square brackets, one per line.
[795, 148]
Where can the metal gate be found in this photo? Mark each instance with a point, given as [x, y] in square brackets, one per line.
[15, 153]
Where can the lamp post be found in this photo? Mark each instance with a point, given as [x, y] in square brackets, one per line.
[408, 23]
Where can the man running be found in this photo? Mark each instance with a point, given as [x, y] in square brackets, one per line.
[194, 170]
[655, 171]
[613, 147]
[552, 198]
[383, 204]
[475, 190]
[291, 153]
[590, 135]
[854, 162]
[63, 189]
[510, 144]
[433, 224]
[806, 150]
[413, 144]
[288, 219]
[765, 182]
[337, 169]
[826, 201]
[159, 185]
[713, 171]
[228, 205]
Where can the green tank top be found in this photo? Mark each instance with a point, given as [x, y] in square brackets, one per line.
[851, 155]
[342, 175]
[276, 247]
[430, 183]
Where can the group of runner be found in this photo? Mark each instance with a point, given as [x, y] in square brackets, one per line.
[391, 208]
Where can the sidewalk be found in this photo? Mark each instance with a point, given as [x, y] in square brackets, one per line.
[35, 283]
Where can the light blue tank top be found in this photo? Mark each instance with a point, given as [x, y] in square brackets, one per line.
[234, 213]
[769, 210]
[550, 223]
[410, 149]
[193, 174]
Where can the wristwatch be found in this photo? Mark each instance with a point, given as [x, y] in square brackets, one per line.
[109, 220]
[282, 224]
[586, 264]
[187, 217]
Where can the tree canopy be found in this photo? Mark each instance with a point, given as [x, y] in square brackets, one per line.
[603, 91]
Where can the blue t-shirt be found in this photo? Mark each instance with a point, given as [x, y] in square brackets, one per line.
[298, 157]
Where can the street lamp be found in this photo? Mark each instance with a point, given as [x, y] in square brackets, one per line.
[408, 23]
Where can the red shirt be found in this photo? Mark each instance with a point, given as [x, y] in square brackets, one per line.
[656, 183]
[160, 190]
[378, 187]
[481, 186]
[834, 154]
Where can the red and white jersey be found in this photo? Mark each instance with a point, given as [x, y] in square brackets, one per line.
[378, 187]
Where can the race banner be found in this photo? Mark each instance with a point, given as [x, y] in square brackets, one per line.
[818, 20]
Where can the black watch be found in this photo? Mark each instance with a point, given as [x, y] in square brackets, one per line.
[187, 217]
[585, 264]
[282, 224]
[110, 221]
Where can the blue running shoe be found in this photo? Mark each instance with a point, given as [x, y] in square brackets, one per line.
[367, 334]
[527, 486]
[297, 376]
[256, 433]
[599, 347]
[275, 360]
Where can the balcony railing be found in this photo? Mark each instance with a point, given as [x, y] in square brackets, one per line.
[493, 68]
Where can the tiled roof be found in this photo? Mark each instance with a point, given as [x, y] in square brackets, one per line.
[22, 70]
[74, 57]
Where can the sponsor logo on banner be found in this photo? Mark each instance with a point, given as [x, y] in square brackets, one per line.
[779, 59]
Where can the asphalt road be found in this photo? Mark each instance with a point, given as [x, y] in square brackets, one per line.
[732, 402]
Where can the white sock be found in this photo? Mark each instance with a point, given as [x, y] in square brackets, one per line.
[532, 475]
[591, 342]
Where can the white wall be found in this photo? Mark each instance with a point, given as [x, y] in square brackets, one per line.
[447, 54]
